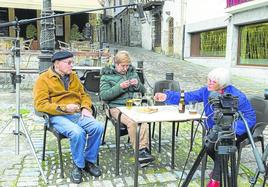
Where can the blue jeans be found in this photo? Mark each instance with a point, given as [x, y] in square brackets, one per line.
[76, 129]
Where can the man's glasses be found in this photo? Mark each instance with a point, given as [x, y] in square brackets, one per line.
[69, 62]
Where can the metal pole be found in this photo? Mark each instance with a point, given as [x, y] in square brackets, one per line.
[47, 37]
[18, 81]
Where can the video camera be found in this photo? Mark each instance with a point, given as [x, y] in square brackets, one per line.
[225, 110]
[225, 107]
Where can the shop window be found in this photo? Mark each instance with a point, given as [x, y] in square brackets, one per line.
[209, 43]
[253, 44]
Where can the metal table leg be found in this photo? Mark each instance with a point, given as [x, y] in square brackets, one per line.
[173, 145]
[137, 155]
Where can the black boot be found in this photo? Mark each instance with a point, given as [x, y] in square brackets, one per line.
[145, 156]
[92, 169]
[76, 175]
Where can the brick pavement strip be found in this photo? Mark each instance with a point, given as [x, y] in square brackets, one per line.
[22, 170]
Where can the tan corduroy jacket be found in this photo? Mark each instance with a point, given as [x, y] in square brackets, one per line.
[51, 97]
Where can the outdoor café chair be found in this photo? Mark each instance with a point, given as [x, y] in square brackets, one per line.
[59, 136]
[261, 109]
[162, 86]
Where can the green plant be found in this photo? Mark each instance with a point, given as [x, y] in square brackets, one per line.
[75, 34]
[31, 31]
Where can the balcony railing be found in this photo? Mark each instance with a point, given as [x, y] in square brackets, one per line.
[231, 3]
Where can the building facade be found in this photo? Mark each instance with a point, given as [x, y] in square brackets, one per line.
[23, 9]
[120, 25]
[232, 34]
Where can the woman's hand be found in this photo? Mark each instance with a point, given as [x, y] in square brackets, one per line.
[134, 82]
[160, 97]
[125, 84]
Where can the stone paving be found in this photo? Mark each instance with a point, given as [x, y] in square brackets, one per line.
[22, 169]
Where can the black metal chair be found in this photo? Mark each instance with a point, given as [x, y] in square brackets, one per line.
[141, 75]
[59, 136]
[108, 116]
[162, 86]
[261, 108]
[92, 81]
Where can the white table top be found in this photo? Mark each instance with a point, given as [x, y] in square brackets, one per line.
[164, 113]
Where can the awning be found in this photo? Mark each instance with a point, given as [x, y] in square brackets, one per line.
[57, 5]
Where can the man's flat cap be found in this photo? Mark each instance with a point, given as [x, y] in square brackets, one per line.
[60, 55]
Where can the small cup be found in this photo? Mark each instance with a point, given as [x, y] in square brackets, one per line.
[129, 103]
[192, 107]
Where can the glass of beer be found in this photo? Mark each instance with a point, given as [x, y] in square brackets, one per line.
[129, 103]
[137, 97]
[192, 107]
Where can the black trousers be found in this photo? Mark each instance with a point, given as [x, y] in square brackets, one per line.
[216, 158]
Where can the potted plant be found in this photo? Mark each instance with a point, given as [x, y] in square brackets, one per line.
[31, 34]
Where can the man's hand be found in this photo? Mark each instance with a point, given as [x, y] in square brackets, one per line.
[160, 97]
[134, 82]
[72, 108]
[125, 84]
[86, 113]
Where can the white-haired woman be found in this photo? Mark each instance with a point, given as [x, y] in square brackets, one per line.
[218, 82]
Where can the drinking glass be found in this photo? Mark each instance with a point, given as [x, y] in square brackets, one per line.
[129, 103]
[192, 107]
[137, 97]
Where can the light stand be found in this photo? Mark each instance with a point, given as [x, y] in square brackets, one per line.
[17, 116]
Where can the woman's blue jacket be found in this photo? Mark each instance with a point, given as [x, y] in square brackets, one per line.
[202, 95]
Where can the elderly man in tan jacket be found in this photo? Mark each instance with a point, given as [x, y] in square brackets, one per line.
[59, 92]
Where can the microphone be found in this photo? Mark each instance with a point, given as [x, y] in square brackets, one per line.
[141, 13]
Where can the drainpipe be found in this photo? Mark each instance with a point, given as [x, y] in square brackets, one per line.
[47, 37]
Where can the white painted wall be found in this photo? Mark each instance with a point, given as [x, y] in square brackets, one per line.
[146, 32]
[205, 9]
[173, 9]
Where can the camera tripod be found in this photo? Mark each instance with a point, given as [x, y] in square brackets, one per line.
[17, 116]
[225, 151]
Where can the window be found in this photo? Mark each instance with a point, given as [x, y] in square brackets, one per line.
[209, 43]
[59, 26]
[253, 42]
[3, 19]
[213, 43]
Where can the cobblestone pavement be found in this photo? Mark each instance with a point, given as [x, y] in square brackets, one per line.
[22, 169]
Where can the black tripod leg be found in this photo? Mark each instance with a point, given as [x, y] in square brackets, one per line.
[194, 167]
[233, 170]
[224, 170]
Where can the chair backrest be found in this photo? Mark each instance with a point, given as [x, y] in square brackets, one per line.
[141, 75]
[92, 81]
[64, 46]
[261, 109]
[164, 85]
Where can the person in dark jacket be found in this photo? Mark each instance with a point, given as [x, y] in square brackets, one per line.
[218, 82]
[118, 84]
[59, 92]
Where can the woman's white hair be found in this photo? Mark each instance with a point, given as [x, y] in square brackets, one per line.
[221, 75]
